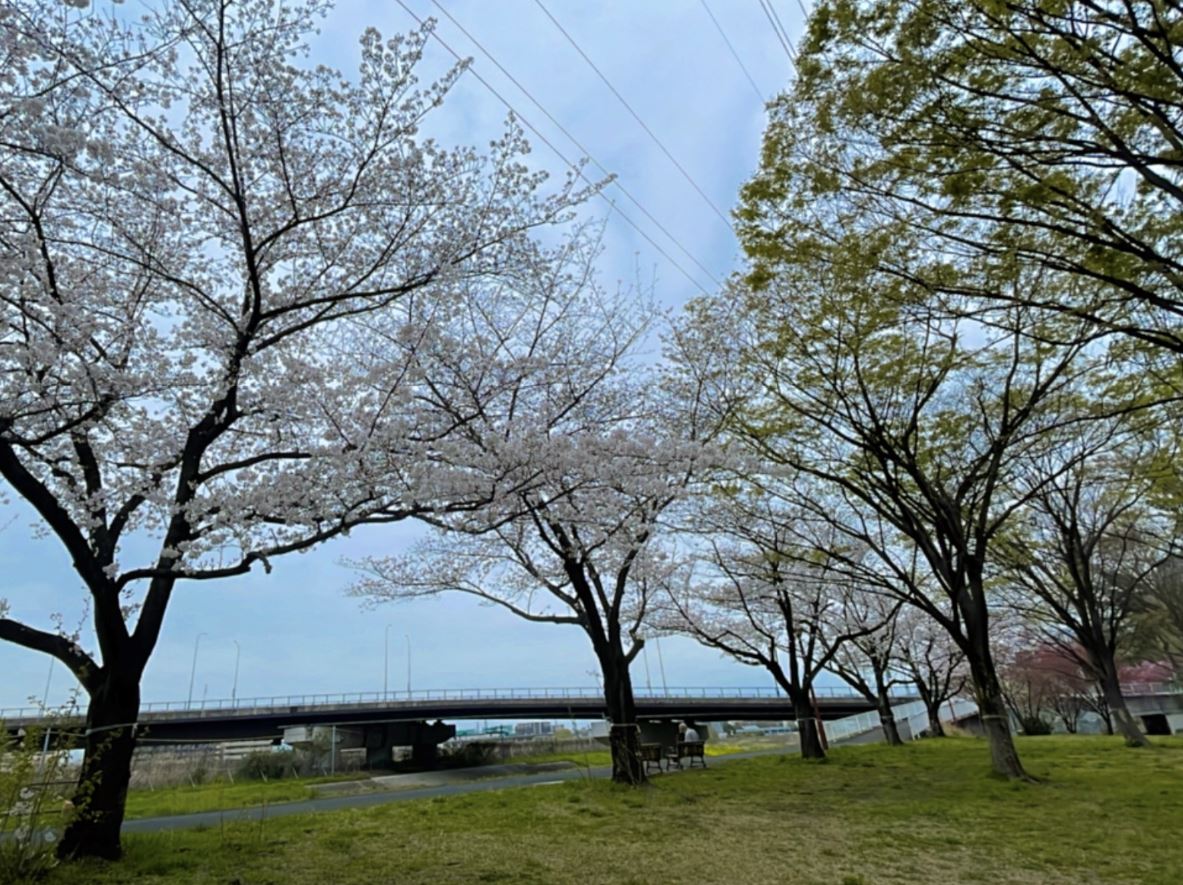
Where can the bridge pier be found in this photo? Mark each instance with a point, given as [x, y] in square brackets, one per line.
[379, 740]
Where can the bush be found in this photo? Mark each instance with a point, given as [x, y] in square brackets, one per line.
[34, 777]
[468, 755]
[268, 766]
[1035, 725]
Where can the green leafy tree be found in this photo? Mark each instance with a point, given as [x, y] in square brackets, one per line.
[912, 424]
[1082, 559]
[1042, 131]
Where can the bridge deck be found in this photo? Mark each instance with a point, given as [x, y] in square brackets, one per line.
[263, 717]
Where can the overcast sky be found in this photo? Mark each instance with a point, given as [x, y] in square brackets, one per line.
[297, 630]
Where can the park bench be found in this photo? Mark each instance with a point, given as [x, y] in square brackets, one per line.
[651, 755]
[690, 750]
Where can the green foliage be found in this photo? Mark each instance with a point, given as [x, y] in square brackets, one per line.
[34, 782]
[468, 755]
[1043, 132]
[1035, 725]
[269, 766]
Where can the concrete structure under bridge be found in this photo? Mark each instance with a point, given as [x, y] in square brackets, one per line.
[381, 721]
[1159, 706]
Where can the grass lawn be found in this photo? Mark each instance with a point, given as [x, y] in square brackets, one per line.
[719, 747]
[218, 795]
[920, 814]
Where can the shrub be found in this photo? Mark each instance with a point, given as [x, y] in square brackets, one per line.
[1035, 725]
[468, 755]
[268, 766]
[34, 776]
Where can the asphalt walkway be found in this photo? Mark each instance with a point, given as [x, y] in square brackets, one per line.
[393, 789]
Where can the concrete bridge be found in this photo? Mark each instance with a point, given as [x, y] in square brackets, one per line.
[378, 720]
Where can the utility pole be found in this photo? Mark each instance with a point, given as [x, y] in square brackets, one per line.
[237, 655]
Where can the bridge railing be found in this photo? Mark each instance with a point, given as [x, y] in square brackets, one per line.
[427, 696]
[1151, 688]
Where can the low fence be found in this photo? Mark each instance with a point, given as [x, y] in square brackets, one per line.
[910, 718]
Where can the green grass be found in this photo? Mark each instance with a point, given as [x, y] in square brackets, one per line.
[218, 795]
[603, 758]
[922, 814]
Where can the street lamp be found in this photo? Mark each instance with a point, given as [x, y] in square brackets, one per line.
[661, 664]
[237, 655]
[408, 638]
[193, 669]
[386, 660]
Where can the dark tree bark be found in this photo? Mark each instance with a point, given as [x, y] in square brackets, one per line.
[877, 692]
[812, 746]
[891, 731]
[101, 795]
[992, 708]
[624, 735]
[935, 727]
[1120, 718]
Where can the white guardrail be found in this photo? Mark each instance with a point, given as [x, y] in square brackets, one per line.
[912, 718]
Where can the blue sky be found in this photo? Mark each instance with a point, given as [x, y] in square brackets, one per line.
[298, 631]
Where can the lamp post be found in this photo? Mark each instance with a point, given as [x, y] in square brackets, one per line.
[237, 655]
[193, 669]
[48, 728]
[661, 664]
[386, 661]
[48, 679]
[408, 638]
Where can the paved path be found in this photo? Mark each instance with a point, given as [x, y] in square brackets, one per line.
[487, 780]
[357, 800]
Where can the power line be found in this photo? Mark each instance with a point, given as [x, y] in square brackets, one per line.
[786, 42]
[579, 146]
[734, 54]
[781, 25]
[546, 141]
[657, 141]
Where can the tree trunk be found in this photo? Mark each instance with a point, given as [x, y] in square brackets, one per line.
[936, 728]
[106, 770]
[624, 735]
[891, 732]
[1107, 718]
[1119, 714]
[882, 699]
[811, 739]
[1004, 758]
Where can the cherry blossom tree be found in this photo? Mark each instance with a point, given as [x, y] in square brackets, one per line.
[866, 661]
[932, 662]
[207, 244]
[1087, 552]
[602, 451]
[581, 546]
[759, 587]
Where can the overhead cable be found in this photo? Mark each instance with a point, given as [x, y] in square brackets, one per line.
[579, 146]
[734, 54]
[657, 141]
[786, 41]
[546, 141]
